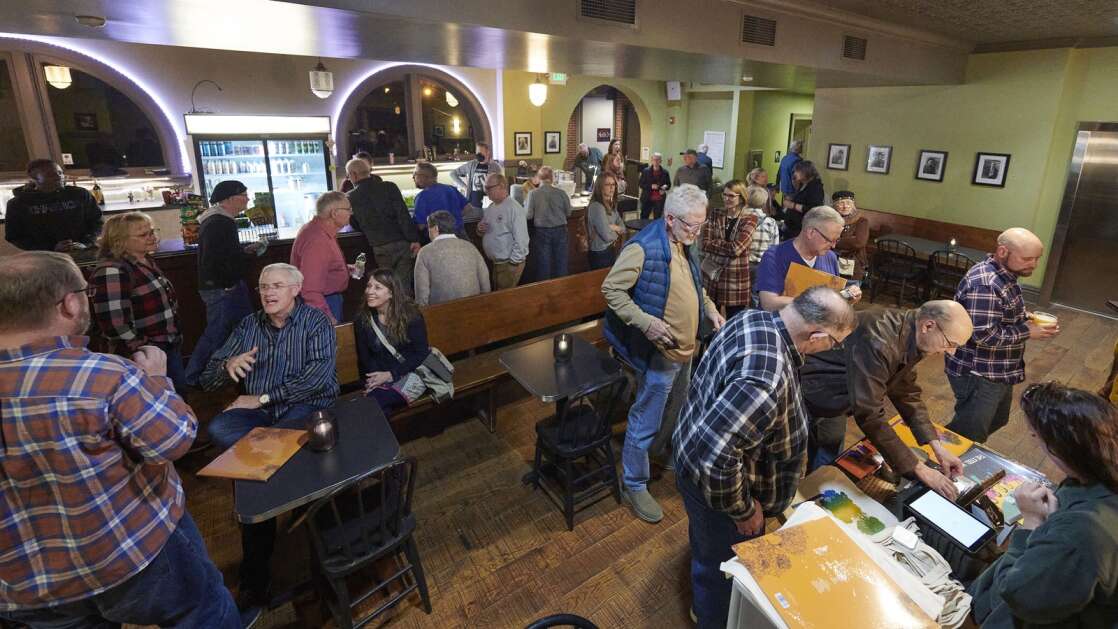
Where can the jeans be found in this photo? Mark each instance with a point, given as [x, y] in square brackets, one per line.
[652, 209]
[602, 259]
[225, 307]
[388, 399]
[398, 258]
[645, 416]
[981, 406]
[711, 534]
[179, 588]
[661, 447]
[257, 540]
[334, 302]
[825, 439]
[550, 244]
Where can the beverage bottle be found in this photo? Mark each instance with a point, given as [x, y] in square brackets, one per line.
[98, 196]
[228, 148]
[205, 148]
[358, 267]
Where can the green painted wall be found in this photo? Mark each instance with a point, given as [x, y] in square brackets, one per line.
[772, 115]
[712, 111]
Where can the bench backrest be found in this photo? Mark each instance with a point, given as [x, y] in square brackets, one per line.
[464, 324]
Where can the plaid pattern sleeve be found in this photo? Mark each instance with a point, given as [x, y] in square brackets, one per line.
[743, 432]
[134, 305]
[88, 493]
[766, 235]
[996, 306]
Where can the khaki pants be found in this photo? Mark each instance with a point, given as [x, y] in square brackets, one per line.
[506, 275]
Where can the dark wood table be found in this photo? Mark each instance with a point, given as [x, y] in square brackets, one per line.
[365, 442]
[535, 368]
[925, 248]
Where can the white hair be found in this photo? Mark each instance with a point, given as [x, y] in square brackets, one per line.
[703, 148]
[657, 156]
[294, 274]
[820, 215]
[685, 199]
[796, 146]
[583, 147]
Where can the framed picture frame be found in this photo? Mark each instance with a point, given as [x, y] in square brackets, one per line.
[85, 122]
[838, 156]
[990, 169]
[756, 159]
[931, 165]
[522, 143]
[438, 130]
[552, 142]
[878, 158]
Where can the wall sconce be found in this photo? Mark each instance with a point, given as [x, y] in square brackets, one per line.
[427, 91]
[58, 76]
[455, 125]
[537, 92]
[322, 81]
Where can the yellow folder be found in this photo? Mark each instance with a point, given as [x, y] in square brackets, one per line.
[801, 278]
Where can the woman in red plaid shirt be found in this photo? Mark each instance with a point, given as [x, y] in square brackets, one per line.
[133, 302]
[725, 250]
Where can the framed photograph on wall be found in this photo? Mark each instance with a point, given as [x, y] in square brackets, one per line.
[990, 169]
[438, 130]
[756, 159]
[551, 142]
[838, 156]
[878, 158]
[85, 122]
[931, 165]
[522, 143]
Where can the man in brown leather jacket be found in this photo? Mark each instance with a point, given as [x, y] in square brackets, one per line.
[878, 362]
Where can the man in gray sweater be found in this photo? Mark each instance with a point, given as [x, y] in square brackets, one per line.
[504, 230]
[549, 208]
[449, 267]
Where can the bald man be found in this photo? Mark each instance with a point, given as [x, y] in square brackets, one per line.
[878, 363]
[983, 371]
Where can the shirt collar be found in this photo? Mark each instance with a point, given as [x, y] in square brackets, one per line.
[1072, 491]
[793, 351]
[1000, 270]
[43, 346]
[912, 352]
[442, 236]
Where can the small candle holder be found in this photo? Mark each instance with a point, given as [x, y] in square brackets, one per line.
[564, 347]
[322, 430]
[951, 244]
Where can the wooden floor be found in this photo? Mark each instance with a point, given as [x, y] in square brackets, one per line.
[499, 555]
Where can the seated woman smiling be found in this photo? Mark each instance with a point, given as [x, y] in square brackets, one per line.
[1061, 569]
[391, 340]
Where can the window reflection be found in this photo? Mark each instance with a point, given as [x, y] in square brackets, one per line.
[14, 156]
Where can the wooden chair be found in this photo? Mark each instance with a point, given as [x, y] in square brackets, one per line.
[946, 269]
[576, 442]
[895, 262]
[360, 523]
[562, 620]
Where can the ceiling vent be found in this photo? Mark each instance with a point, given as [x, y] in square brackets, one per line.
[758, 30]
[616, 11]
[853, 48]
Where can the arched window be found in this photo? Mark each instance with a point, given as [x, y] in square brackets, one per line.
[413, 112]
[14, 156]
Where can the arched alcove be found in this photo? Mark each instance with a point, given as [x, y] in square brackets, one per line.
[629, 120]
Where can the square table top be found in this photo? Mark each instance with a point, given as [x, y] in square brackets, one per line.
[365, 442]
[535, 368]
[926, 247]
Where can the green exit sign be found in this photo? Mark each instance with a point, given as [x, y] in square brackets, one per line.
[557, 78]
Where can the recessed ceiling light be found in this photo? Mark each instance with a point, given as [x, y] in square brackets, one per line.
[92, 21]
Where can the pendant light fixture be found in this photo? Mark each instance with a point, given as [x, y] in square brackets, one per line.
[322, 81]
[537, 92]
[58, 76]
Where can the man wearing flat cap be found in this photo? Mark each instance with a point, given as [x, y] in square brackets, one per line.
[220, 282]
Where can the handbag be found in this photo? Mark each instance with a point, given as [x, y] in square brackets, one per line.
[434, 374]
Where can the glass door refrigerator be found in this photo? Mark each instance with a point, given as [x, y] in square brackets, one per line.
[293, 169]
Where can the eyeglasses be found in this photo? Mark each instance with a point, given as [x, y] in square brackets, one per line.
[496, 185]
[833, 243]
[835, 343]
[946, 341]
[88, 289]
[265, 288]
[691, 227]
[344, 208]
[731, 194]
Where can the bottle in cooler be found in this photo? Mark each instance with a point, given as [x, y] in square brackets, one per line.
[358, 267]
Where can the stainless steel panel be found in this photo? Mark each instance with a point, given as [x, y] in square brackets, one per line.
[1087, 235]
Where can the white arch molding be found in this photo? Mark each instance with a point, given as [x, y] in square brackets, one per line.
[169, 128]
[352, 96]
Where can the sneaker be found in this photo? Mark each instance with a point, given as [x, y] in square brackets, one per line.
[644, 506]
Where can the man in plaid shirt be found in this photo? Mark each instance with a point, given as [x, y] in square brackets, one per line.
[93, 524]
[741, 440]
[982, 372]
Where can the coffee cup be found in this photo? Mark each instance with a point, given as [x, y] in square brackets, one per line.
[1044, 319]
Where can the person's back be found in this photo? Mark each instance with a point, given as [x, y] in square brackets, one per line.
[218, 251]
[380, 212]
[784, 172]
[548, 206]
[439, 196]
[449, 268]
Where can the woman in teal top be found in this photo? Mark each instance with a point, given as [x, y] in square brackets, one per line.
[1061, 569]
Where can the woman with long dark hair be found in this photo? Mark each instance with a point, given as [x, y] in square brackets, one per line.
[391, 342]
[1061, 568]
[603, 222]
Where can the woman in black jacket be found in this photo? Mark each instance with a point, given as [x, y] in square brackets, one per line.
[809, 194]
[391, 340]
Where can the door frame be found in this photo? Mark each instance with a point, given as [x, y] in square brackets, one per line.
[1071, 189]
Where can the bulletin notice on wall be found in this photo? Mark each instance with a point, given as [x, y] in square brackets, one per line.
[716, 140]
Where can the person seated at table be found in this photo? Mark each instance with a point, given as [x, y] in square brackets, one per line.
[603, 222]
[875, 366]
[96, 530]
[134, 304]
[319, 258]
[807, 195]
[449, 267]
[391, 340]
[811, 248]
[283, 359]
[1060, 569]
[851, 246]
[725, 247]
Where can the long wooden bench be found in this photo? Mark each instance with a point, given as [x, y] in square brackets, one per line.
[473, 332]
[883, 223]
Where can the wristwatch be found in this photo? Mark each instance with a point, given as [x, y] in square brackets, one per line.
[264, 399]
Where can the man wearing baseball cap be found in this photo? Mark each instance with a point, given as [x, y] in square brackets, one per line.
[220, 283]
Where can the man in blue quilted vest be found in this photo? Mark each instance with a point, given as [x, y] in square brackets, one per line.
[656, 303]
